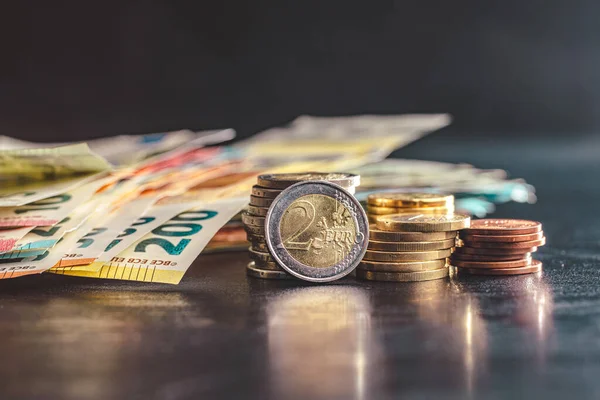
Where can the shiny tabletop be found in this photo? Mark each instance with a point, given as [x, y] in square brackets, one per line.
[222, 335]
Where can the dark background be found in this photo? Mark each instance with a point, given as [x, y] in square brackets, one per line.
[78, 69]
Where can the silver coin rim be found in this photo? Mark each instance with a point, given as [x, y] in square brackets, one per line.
[296, 268]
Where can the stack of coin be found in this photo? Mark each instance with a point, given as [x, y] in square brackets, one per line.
[409, 248]
[386, 203]
[268, 187]
[499, 247]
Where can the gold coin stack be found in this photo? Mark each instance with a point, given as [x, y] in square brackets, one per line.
[386, 203]
[268, 187]
[410, 247]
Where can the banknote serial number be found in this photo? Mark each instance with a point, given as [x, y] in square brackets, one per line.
[133, 260]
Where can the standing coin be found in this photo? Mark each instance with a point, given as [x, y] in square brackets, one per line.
[317, 231]
[404, 200]
[405, 256]
[423, 222]
[414, 266]
[388, 236]
[467, 237]
[536, 266]
[503, 227]
[403, 277]
[282, 181]
[411, 246]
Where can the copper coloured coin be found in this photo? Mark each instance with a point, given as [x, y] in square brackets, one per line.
[491, 264]
[492, 251]
[536, 266]
[467, 237]
[507, 245]
[476, 257]
[503, 227]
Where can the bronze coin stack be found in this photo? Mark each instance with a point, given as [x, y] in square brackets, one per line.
[268, 187]
[386, 203]
[410, 248]
[499, 247]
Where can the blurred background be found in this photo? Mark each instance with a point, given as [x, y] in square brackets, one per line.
[73, 70]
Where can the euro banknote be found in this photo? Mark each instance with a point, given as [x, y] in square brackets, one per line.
[10, 237]
[48, 211]
[165, 254]
[21, 166]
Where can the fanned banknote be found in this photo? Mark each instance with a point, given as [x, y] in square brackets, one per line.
[10, 237]
[129, 149]
[165, 254]
[21, 166]
[48, 211]
[44, 237]
[39, 264]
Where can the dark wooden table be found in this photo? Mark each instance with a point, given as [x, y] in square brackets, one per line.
[221, 335]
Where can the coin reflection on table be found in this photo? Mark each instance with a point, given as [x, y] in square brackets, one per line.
[320, 343]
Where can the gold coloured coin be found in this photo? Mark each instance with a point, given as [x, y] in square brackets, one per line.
[391, 210]
[254, 238]
[414, 266]
[404, 200]
[384, 256]
[260, 201]
[283, 181]
[255, 230]
[258, 211]
[411, 246]
[388, 236]
[403, 276]
[259, 246]
[265, 192]
[269, 265]
[372, 218]
[260, 256]
[253, 271]
[308, 246]
[253, 220]
[423, 222]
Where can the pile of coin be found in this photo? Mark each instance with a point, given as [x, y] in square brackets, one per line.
[410, 248]
[499, 247]
[386, 203]
[264, 193]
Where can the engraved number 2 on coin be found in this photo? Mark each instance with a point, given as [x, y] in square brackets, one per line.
[309, 212]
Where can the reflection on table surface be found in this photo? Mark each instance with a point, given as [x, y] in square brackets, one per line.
[265, 339]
